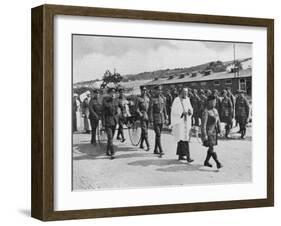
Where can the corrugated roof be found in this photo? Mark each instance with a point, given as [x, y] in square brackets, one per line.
[201, 77]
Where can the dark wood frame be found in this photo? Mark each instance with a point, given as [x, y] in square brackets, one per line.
[42, 170]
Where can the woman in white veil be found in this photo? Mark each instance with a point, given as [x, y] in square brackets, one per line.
[181, 124]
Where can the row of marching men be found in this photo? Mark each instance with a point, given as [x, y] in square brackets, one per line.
[228, 105]
[190, 107]
[114, 111]
[153, 109]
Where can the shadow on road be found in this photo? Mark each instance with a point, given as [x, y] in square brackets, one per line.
[155, 162]
[187, 167]
[91, 151]
[176, 165]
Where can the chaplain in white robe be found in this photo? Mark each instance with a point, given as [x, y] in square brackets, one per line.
[181, 123]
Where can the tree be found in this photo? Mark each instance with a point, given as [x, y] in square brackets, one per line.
[109, 77]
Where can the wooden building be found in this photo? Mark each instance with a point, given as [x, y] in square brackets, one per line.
[234, 79]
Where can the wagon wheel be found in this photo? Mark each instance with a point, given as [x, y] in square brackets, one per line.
[135, 132]
[101, 133]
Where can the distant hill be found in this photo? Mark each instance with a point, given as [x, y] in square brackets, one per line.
[216, 66]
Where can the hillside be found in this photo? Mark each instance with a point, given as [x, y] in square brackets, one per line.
[214, 65]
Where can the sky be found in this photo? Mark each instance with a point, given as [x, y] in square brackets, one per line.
[93, 55]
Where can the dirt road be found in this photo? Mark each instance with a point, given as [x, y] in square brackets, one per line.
[134, 167]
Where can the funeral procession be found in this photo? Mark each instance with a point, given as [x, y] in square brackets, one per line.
[183, 125]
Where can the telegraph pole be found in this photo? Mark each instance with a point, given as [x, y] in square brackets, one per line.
[234, 60]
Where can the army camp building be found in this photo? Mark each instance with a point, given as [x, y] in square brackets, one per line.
[232, 78]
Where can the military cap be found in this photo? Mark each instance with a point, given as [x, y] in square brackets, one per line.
[201, 91]
[75, 95]
[88, 92]
[215, 91]
[143, 88]
[211, 97]
[224, 91]
[208, 91]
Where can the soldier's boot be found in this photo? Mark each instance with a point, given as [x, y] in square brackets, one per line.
[122, 135]
[147, 143]
[227, 130]
[118, 135]
[206, 162]
[93, 139]
[107, 151]
[111, 152]
[243, 133]
[156, 148]
[141, 142]
[215, 157]
[161, 153]
[189, 160]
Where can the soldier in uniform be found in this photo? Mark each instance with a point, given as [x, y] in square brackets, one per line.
[226, 112]
[210, 130]
[218, 101]
[86, 112]
[143, 104]
[232, 98]
[169, 102]
[190, 93]
[158, 116]
[208, 92]
[123, 113]
[196, 105]
[74, 110]
[110, 119]
[95, 109]
[174, 93]
[242, 112]
[203, 101]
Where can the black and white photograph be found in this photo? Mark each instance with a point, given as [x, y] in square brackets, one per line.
[151, 112]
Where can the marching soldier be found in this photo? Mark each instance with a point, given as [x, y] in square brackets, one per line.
[203, 101]
[174, 93]
[95, 109]
[110, 120]
[158, 117]
[218, 101]
[232, 98]
[226, 112]
[196, 105]
[242, 112]
[190, 93]
[208, 92]
[142, 111]
[210, 130]
[169, 102]
[123, 114]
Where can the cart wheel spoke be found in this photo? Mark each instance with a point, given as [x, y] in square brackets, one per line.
[135, 132]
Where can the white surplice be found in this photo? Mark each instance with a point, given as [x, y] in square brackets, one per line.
[181, 125]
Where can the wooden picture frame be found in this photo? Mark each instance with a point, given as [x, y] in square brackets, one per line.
[42, 203]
